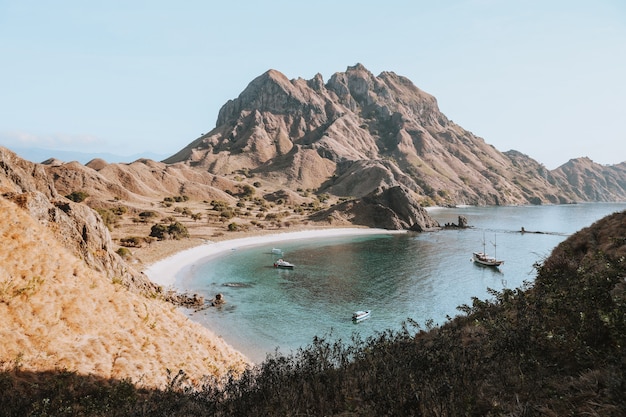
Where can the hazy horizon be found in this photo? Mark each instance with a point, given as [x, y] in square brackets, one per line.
[545, 79]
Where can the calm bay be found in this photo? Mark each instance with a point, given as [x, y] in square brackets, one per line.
[421, 276]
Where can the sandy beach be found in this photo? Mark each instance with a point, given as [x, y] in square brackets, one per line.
[167, 271]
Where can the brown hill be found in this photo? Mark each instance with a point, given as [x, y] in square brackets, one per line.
[359, 132]
[140, 181]
[62, 302]
[393, 208]
[76, 226]
[590, 181]
[345, 139]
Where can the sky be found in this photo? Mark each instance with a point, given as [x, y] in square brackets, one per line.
[544, 77]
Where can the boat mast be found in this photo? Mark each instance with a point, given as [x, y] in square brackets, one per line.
[484, 247]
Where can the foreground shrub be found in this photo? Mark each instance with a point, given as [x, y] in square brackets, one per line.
[554, 348]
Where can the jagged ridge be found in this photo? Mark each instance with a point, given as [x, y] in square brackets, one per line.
[307, 134]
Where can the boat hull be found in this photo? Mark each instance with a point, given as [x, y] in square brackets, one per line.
[360, 316]
[282, 264]
[482, 259]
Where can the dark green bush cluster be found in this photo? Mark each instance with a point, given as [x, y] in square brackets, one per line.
[176, 199]
[148, 214]
[174, 230]
[77, 196]
[236, 227]
[247, 191]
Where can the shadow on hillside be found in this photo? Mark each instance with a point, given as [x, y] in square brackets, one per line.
[56, 393]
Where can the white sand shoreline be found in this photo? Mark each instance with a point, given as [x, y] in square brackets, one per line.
[166, 272]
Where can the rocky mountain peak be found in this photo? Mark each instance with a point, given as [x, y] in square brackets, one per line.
[272, 92]
[310, 135]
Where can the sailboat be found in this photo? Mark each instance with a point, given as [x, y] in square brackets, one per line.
[483, 259]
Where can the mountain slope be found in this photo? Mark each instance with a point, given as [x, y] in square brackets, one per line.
[65, 301]
[307, 134]
[59, 314]
[590, 181]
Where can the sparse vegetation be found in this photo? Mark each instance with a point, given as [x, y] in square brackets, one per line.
[174, 230]
[109, 217]
[132, 242]
[552, 348]
[176, 199]
[77, 196]
[124, 252]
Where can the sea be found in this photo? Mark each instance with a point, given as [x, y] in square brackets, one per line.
[400, 277]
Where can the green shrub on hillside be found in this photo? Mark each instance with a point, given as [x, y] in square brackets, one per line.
[77, 196]
[124, 252]
[109, 217]
[132, 241]
[175, 230]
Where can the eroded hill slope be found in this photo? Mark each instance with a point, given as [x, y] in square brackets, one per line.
[65, 301]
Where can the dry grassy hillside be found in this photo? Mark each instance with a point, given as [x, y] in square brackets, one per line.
[57, 314]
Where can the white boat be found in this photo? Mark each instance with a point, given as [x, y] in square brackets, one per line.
[360, 315]
[281, 263]
[277, 251]
[483, 259]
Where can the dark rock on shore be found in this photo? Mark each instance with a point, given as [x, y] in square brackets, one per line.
[394, 208]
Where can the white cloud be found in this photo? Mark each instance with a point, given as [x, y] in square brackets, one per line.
[49, 140]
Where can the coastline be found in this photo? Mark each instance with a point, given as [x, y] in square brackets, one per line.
[166, 271]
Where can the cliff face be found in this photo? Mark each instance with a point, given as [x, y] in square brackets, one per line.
[590, 181]
[75, 225]
[359, 132]
[61, 302]
[394, 208]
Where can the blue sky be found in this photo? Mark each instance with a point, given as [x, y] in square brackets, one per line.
[547, 78]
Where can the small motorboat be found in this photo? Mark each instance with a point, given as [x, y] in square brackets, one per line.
[281, 263]
[277, 251]
[360, 315]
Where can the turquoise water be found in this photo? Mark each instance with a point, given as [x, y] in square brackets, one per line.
[396, 276]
